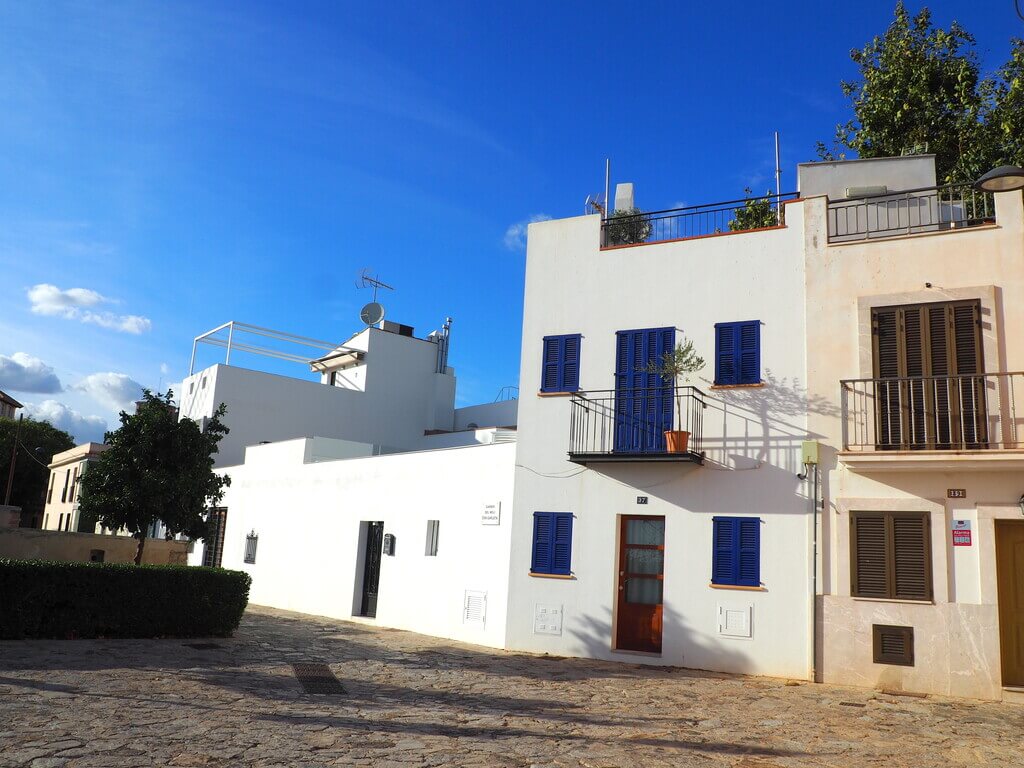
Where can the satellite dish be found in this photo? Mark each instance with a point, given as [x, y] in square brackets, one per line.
[372, 313]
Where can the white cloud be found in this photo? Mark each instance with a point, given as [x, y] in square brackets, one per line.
[515, 235]
[82, 428]
[76, 303]
[164, 369]
[117, 391]
[24, 373]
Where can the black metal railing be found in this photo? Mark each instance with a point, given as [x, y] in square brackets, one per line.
[966, 412]
[695, 221]
[928, 209]
[633, 422]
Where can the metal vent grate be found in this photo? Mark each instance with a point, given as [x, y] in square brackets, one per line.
[892, 645]
[474, 608]
[317, 678]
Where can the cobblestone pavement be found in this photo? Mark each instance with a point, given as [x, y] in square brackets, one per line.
[412, 700]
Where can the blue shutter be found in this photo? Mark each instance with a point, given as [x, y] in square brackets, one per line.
[749, 338]
[551, 365]
[725, 354]
[749, 548]
[723, 556]
[570, 363]
[543, 542]
[561, 561]
[738, 353]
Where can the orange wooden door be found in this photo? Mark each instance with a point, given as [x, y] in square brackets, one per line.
[1010, 580]
[641, 580]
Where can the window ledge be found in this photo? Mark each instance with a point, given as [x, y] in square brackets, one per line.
[758, 385]
[556, 394]
[737, 586]
[891, 600]
[563, 576]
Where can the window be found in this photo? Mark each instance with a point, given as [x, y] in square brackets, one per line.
[934, 349]
[250, 547]
[432, 530]
[213, 546]
[49, 491]
[74, 485]
[561, 366]
[738, 353]
[736, 551]
[552, 543]
[64, 493]
[890, 555]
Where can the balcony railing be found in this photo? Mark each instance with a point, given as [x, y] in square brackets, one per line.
[695, 221]
[966, 412]
[630, 424]
[929, 209]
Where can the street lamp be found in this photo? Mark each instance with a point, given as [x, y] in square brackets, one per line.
[1005, 178]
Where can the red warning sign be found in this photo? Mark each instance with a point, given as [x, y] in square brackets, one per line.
[961, 533]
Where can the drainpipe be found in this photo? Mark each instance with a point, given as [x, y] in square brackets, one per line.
[814, 582]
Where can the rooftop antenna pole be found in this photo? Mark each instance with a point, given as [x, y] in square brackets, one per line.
[778, 183]
[607, 182]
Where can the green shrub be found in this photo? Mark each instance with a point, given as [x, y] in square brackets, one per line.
[64, 600]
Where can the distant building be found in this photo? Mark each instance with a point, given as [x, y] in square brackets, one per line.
[63, 490]
[8, 405]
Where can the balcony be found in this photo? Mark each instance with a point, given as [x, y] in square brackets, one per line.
[930, 209]
[725, 218]
[629, 425]
[945, 422]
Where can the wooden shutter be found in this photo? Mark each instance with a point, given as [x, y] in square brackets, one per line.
[892, 645]
[868, 554]
[749, 343]
[551, 365]
[561, 559]
[726, 363]
[748, 545]
[570, 363]
[723, 555]
[543, 536]
[911, 571]
[738, 353]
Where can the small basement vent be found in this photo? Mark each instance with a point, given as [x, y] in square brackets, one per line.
[474, 608]
[892, 645]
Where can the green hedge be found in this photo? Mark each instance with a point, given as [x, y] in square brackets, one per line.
[41, 598]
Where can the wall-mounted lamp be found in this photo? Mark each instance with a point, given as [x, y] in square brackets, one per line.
[1005, 178]
[1020, 503]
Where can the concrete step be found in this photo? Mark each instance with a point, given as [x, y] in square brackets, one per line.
[1013, 695]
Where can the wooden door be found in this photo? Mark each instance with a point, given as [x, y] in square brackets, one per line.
[641, 579]
[371, 568]
[1010, 579]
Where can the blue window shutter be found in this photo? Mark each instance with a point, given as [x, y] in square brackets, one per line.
[725, 354]
[561, 560]
[723, 555]
[749, 550]
[570, 363]
[551, 365]
[543, 542]
[749, 344]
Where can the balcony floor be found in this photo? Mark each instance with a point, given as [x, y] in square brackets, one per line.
[631, 458]
[991, 460]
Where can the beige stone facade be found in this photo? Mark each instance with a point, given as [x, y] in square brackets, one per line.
[34, 544]
[63, 488]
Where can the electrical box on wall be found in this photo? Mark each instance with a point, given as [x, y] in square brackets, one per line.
[547, 619]
[389, 544]
[736, 620]
[809, 452]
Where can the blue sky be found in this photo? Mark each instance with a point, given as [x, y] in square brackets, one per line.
[167, 167]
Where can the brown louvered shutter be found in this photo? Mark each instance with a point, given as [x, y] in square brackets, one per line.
[911, 574]
[886, 334]
[869, 555]
[966, 324]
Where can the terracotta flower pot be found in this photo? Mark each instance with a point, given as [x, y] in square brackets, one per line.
[676, 441]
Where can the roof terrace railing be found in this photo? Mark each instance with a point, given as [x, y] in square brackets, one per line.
[695, 221]
[910, 212]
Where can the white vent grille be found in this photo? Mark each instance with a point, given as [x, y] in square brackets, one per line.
[474, 608]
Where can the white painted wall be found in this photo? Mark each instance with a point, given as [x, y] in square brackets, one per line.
[895, 173]
[404, 397]
[752, 437]
[499, 414]
[307, 517]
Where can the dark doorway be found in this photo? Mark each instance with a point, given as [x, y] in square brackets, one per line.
[371, 568]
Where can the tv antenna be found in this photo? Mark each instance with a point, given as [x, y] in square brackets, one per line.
[372, 313]
[595, 204]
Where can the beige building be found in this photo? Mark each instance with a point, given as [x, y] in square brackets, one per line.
[8, 405]
[915, 379]
[63, 488]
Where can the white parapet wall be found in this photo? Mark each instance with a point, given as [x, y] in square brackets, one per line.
[310, 517]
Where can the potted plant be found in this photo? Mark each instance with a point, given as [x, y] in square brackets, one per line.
[676, 366]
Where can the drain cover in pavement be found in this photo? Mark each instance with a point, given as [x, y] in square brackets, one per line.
[204, 646]
[317, 678]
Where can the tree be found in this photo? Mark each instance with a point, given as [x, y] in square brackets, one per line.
[757, 212]
[627, 227]
[676, 365]
[919, 87]
[156, 469]
[1005, 119]
[39, 442]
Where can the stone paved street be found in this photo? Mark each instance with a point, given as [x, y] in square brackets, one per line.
[416, 701]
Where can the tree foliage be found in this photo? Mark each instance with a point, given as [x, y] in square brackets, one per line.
[40, 441]
[920, 87]
[757, 212]
[156, 468]
[675, 366]
[627, 227]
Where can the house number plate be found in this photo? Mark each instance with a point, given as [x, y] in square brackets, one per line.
[641, 499]
[956, 493]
